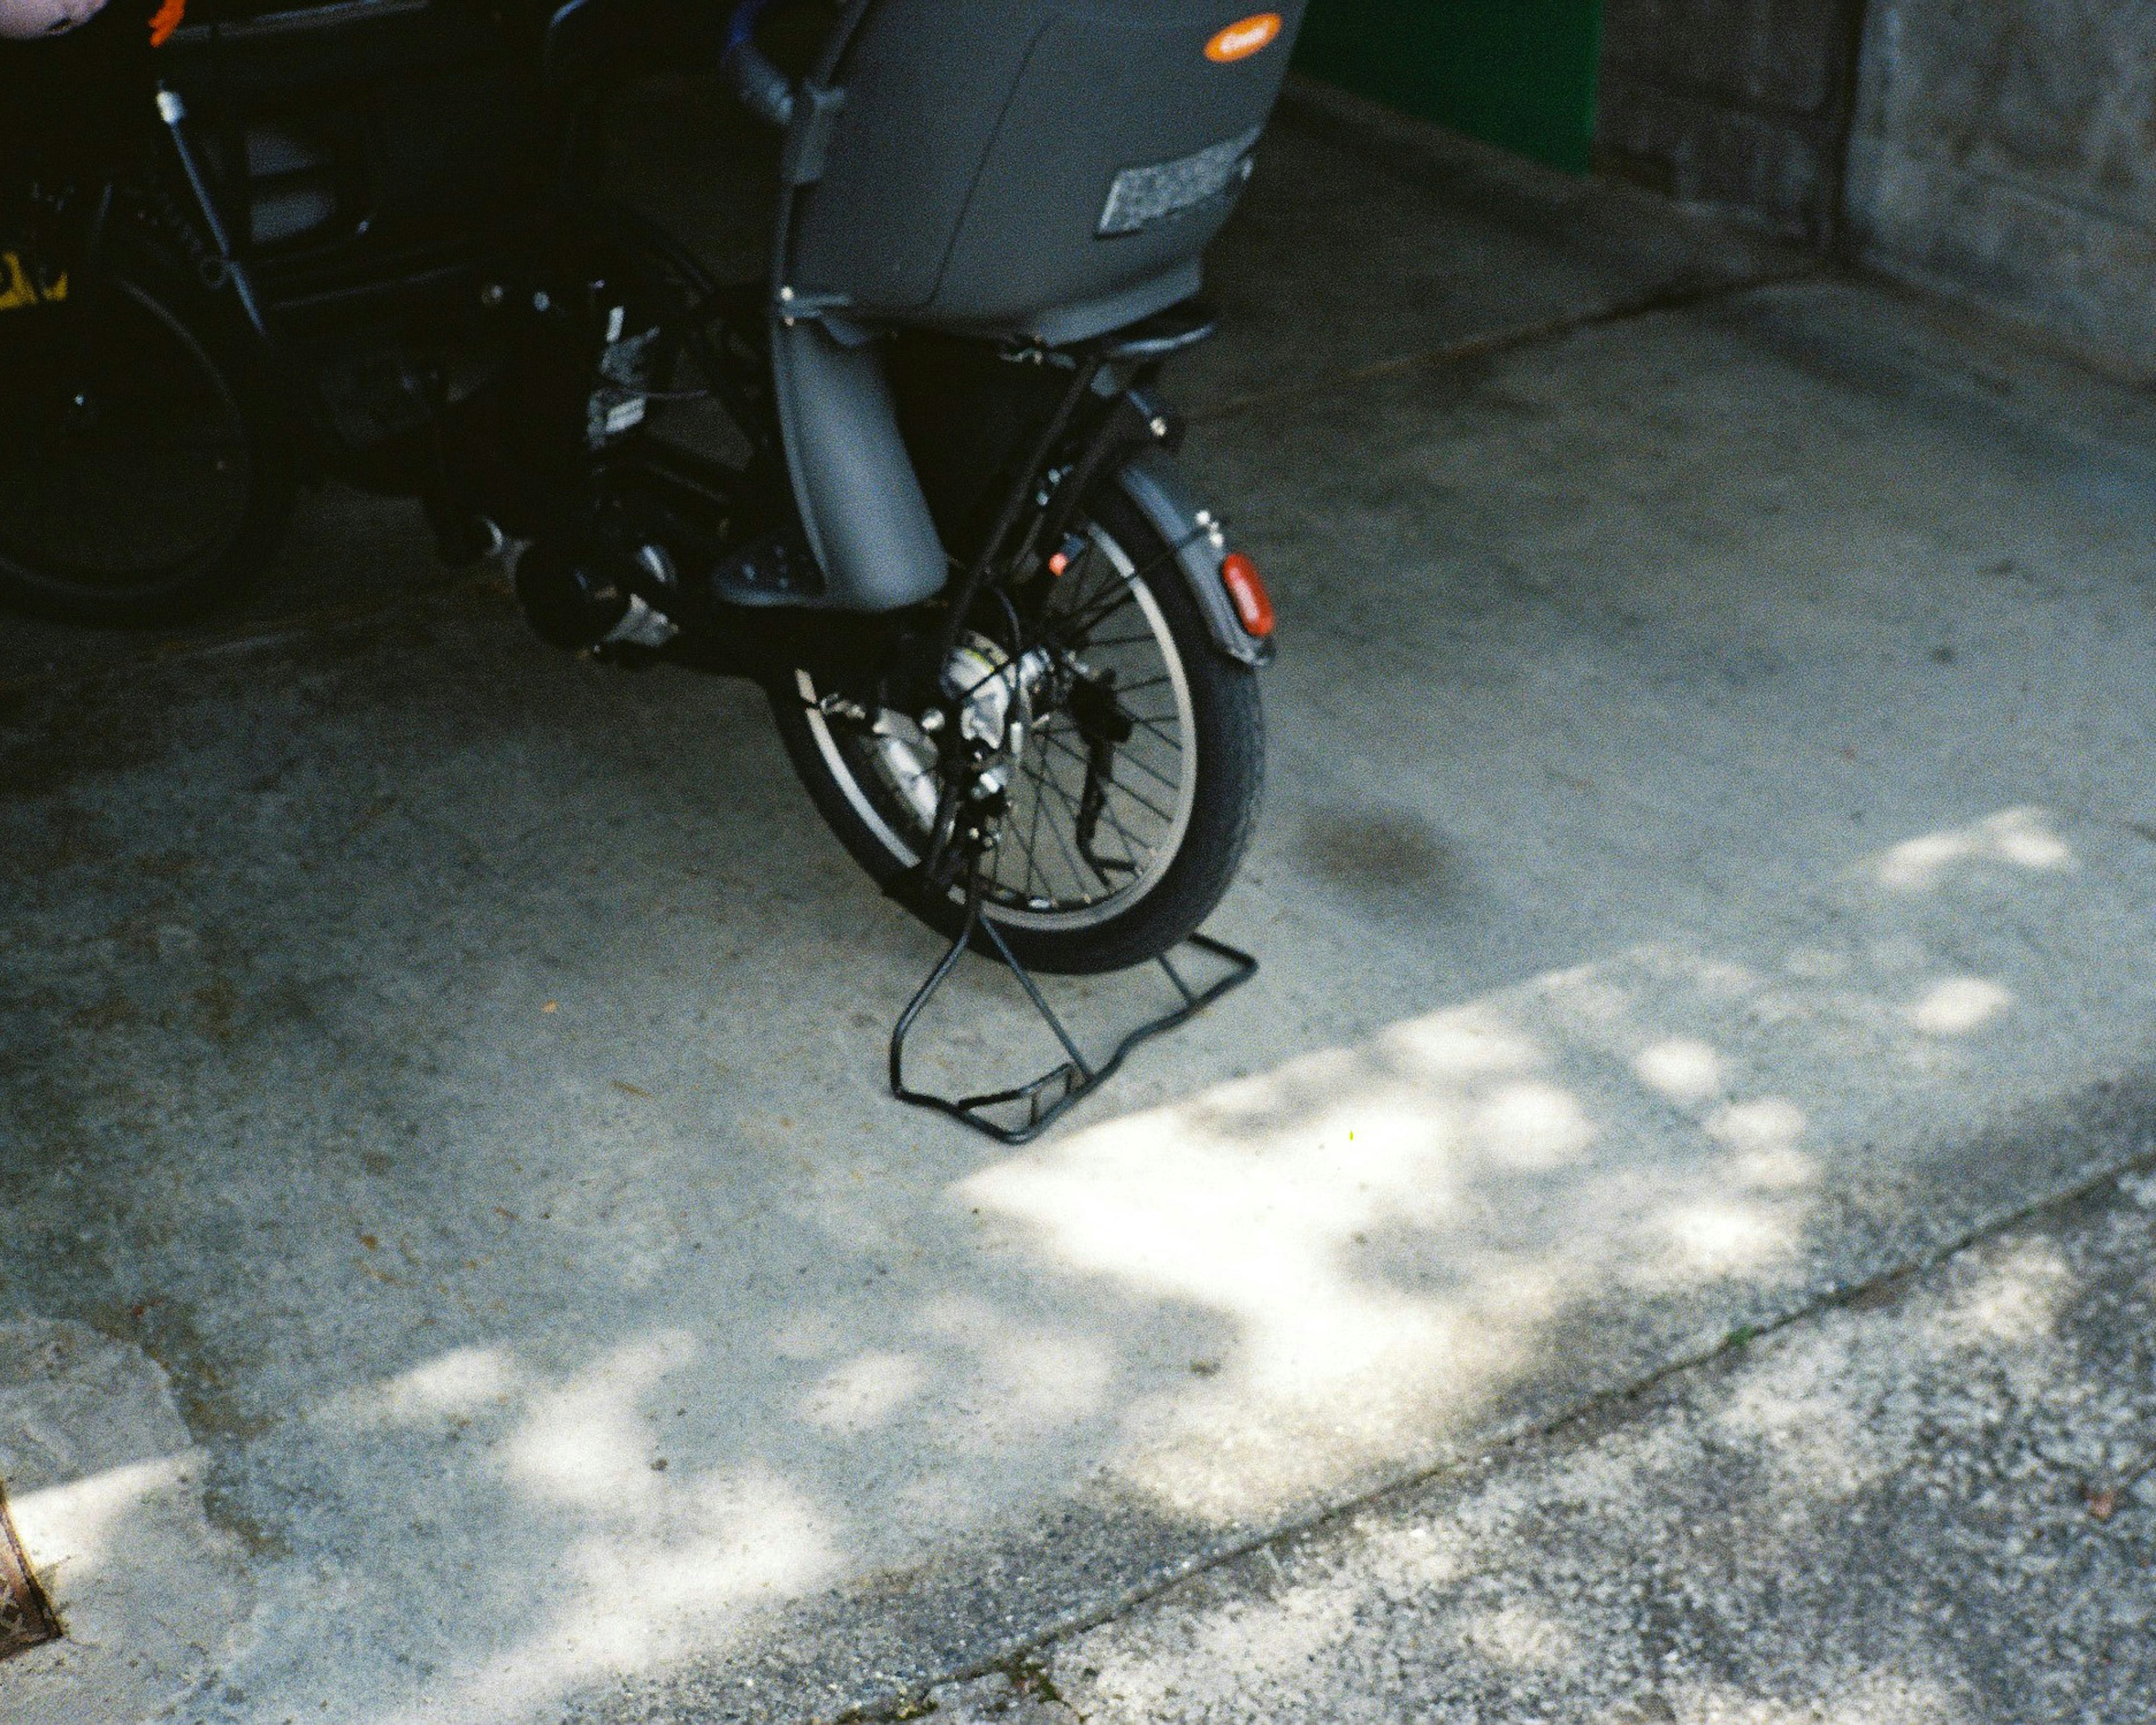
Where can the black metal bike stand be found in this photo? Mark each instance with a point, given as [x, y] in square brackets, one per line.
[1046, 1098]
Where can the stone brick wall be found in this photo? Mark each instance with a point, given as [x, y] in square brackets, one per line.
[2005, 152]
[2001, 151]
[1738, 102]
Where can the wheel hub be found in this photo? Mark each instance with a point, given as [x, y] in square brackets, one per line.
[994, 703]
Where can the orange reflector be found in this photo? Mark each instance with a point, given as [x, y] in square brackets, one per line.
[1058, 564]
[1254, 605]
[1243, 38]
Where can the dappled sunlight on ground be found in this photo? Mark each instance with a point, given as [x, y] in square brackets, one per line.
[646, 1591]
[1684, 1069]
[616, 1381]
[2006, 1308]
[86, 1525]
[583, 1442]
[2021, 838]
[1858, 1698]
[1254, 1301]
[864, 1392]
[1958, 1005]
[1212, 1314]
[1358, 1214]
[654, 1568]
[1882, 1517]
[653, 1558]
[109, 1498]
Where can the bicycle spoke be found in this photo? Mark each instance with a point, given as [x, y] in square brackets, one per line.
[1077, 813]
[1150, 773]
[1033, 843]
[1129, 843]
[1092, 564]
[1120, 641]
[1080, 624]
[1077, 869]
[1117, 784]
[1173, 742]
[1087, 820]
[1123, 750]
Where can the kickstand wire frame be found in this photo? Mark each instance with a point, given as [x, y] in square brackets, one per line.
[1047, 1098]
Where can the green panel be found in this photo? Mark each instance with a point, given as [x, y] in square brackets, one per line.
[1518, 73]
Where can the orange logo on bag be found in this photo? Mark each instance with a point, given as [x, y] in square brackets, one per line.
[1240, 40]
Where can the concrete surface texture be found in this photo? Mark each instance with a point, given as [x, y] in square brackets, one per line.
[1935, 1506]
[459, 1238]
[1747, 107]
[2004, 153]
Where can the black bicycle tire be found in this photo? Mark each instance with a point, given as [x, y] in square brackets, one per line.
[231, 350]
[1230, 723]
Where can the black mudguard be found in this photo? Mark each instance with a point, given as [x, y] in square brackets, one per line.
[1150, 480]
[860, 500]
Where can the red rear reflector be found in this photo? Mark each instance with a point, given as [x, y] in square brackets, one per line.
[1254, 605]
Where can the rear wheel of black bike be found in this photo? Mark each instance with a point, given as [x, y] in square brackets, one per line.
[143, 473]
[1133, 751]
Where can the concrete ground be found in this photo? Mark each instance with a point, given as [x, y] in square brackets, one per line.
[1936, 1503]
[459, 1265]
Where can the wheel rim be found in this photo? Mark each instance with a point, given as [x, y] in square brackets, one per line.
[124, 458]
[1092, 830]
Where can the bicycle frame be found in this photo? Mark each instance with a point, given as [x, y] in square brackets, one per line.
[449, 346]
